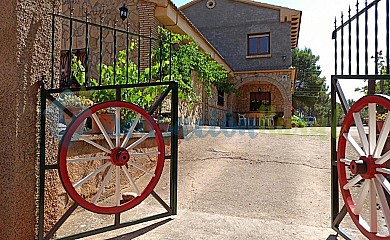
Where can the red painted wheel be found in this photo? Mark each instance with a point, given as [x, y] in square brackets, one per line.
[363, 166]
[97, 181]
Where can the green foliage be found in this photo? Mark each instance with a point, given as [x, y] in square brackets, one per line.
[297, 121]
[143, 97]
[310, 96]
[186, 60]
[381, 86]
[162, 119]
[187, 57]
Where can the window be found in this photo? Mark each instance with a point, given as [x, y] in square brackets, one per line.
[65, 65]
[260, 101]
[259, 44]
[221, 99]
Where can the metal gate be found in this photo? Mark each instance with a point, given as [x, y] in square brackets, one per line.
[359, 156]
[96, 170]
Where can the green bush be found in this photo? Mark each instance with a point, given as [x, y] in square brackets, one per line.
[297, 122]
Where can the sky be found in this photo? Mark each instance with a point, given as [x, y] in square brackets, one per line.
[317, 24]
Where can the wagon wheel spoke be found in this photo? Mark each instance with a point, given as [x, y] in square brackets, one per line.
[353, 182]
[117, 185]
[79, 137]
[117, 126]
[363, 195]
[141, 170]
[384, 158]
[362, 133]
[384, 182]
[354, 144]
[346, 161]
[373, 211]
[139, 141]
[91, 175]
[86, 159]
[103, 130]
[371, 127]
[103, 186]
[362, 157]
[144, 153]
[383, 202]
[383, 170]
[131, 130]
[131, 180]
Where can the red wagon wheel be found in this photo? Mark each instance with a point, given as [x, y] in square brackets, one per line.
[364, 167]
[97, 182]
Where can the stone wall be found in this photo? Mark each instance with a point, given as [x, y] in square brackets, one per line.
[227, 25]
[277, 82]
[204, 112]
[214, 114]
[107, 14]
[148, 27]
[243, 100]
[190, 115]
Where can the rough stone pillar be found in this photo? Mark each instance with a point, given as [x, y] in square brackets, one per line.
[147, 26]
[25, 28]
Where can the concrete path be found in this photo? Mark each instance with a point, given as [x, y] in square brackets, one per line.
[244, 185]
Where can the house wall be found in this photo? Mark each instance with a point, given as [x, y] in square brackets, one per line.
[242, 102]
[24, 46]
[278, 83]
[227, 25]
[107, 14]
[214, 114]
[204, 112]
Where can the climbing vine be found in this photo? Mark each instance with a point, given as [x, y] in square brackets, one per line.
[187, 57]
[176, 58]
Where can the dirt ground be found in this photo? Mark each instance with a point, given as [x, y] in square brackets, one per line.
[253, 184]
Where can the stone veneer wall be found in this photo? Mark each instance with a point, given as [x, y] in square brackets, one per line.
[102, 13]
[243, 101]
[25, 57]
[278, 82]
[214, 114]
[148, 27]
[190, 115]
[140, 20]
[204, 112]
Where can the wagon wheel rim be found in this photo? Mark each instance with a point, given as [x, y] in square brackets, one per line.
[368, 166]
[115, 163]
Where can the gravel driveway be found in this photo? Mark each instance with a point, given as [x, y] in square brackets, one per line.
[258, 184]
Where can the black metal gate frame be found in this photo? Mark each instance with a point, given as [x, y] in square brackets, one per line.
[52, 89]
[171, 207]
[338, 215]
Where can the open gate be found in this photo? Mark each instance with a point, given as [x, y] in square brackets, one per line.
[360, 154]
[117, 169]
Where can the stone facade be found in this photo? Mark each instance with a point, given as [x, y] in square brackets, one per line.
[213, 113]
[277, 83]
[148, 27]
[205, 112]
[228, 24]
[107, 14]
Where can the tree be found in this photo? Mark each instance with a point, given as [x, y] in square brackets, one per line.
[310, 96]
[381, 86]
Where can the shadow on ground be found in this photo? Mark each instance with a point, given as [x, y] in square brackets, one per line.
[141, 231]
[332, 237]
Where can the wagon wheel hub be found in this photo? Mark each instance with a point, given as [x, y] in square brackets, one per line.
[119, 156]
[365, 166]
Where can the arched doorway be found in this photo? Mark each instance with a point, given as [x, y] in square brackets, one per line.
[257, 94]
